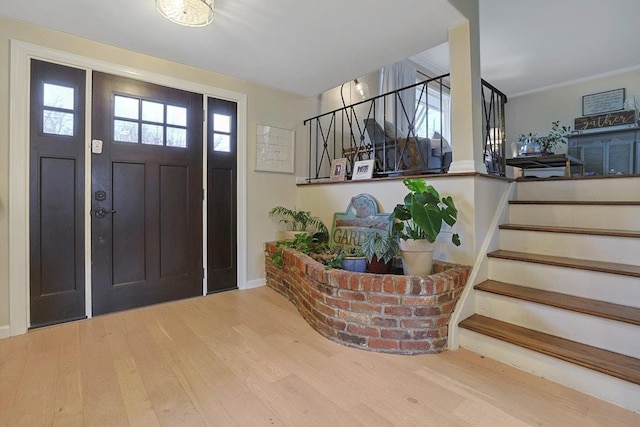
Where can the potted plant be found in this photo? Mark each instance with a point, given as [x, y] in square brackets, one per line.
[354, 260]
[379, 248]
[297, 221]
[532, 144]
[418, 222]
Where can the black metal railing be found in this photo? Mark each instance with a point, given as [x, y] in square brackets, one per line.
[396, 130]
[493, 130]
[401, 131]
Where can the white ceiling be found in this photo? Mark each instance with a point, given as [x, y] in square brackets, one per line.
[300, 46]
[307, 47]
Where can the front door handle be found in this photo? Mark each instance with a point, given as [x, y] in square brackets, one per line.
[102, 212]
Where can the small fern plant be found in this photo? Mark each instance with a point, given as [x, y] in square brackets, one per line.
[296, 220]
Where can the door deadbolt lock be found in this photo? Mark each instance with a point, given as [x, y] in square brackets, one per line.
[102, 212]
[101, 196]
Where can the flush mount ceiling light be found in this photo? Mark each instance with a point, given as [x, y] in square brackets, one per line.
[190, 13]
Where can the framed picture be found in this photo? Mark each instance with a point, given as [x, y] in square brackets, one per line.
[338, 170]
[274, 149]
[362, 169]
[603, 102]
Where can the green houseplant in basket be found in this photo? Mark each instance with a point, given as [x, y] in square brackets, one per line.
[418, 222]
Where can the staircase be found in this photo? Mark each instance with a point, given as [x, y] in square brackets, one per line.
[563, 296]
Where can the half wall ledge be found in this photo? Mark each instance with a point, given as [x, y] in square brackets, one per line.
[376, 312]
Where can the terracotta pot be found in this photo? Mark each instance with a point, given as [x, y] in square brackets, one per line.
[377, 266]
[417, 257]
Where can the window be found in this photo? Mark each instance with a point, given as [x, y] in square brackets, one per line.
[221, 133]
[149, 122]
[58, 110]
[433, 111]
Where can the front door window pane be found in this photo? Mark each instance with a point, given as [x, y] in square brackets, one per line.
[221, 142]
[126, 108]
[176, 137]
[221, 123]
[152, 134]
[152, 112]
[57, 123]
[124, 131]
[58, 96]
[176, 115]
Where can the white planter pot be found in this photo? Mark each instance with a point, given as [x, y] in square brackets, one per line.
[417, 257]
[291, 235]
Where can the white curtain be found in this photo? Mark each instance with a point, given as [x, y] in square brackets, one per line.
[399, 109]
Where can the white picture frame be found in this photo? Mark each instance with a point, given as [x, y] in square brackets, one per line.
[362, 169]
[338, 170]
[603, 102]
[275, 149]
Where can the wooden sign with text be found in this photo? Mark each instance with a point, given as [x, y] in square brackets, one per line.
[606, 120]
[360, 219]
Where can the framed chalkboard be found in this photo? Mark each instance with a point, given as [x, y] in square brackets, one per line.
[603, 102]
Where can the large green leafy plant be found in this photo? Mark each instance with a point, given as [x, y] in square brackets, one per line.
[423, 213]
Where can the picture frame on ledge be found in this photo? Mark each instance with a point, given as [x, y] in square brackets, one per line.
[362, 169]
[338, 170]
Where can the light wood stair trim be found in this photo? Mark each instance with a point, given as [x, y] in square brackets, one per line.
[606, 310]
[577, 202]
[582, 264]
[614, 364]
[572, 230]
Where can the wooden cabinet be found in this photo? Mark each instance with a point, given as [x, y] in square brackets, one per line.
[608, 152]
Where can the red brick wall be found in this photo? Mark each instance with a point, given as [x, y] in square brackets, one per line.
[385, 313]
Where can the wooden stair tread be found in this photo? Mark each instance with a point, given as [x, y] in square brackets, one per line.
[600, 266]
[572, 230]
[614, 364]
[577, 202]
[592, 307]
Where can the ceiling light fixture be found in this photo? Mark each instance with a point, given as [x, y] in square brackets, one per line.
[362, 88]
[190, 13]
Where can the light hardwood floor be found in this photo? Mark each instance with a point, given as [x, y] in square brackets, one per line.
[247, 358]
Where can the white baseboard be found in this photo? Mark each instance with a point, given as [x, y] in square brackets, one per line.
[251, 284]
[5, 332]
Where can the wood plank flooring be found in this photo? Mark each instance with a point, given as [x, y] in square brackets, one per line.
[247, 358]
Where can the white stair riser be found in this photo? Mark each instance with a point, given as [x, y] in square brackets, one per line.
[621, 189]
[585, 216]
[605, 387]
[608, 334]
[613, 288]
[622, 250]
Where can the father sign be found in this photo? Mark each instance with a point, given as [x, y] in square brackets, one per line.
[360, 219]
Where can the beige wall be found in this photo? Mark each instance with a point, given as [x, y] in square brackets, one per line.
[535, 112]
[265, 106]
[476, 198]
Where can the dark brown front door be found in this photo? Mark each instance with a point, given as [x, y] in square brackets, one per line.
[56, 194]
[146, 194]
[221, 189]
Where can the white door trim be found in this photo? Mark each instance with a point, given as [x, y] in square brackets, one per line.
[19, 83]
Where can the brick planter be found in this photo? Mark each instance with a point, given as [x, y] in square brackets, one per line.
[384, 313]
